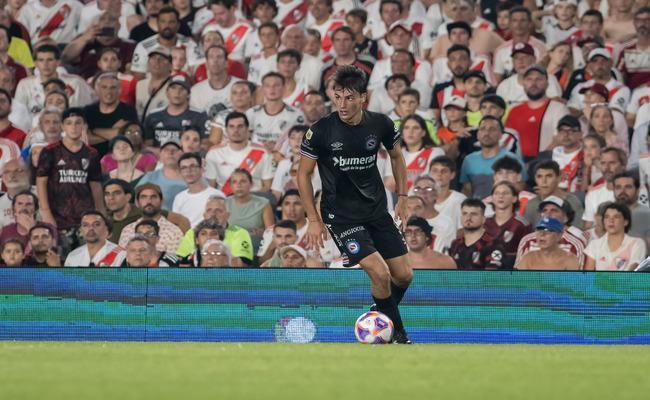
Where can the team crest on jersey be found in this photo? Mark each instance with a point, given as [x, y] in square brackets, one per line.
[84, 163]
[371, 142]
[353, 246]
[476, 257]
[309, 134]
[421, 162]
[507, 236]
[620, 262]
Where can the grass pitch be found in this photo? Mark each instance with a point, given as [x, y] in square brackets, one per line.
[229, 371]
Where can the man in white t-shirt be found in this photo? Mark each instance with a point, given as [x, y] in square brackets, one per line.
[293, 37]
[168, 25]
[612, 162]
[273, 118]
[98, 251]
[426, 189]
[213, 94]
[191, 202]
[238, 152]
[57, 19]
[443, 172]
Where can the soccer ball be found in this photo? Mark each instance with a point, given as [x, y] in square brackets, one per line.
[373, 327]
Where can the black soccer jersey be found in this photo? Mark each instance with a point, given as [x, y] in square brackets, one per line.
[353, 190]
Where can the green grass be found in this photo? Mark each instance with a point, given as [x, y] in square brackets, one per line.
[230, 371]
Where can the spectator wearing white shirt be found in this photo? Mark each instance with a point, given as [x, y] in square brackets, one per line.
[190, 202]
[616, 250]
[612, 162]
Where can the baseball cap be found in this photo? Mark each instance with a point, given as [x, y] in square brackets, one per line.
[73, 112]
[473, 73]
[120, 138]
[400, 24]
[494, 99]
[549, 224]
[162, 51]
[295, 248]
[522, 48]
[599, 52]
[455, 101]
[459, 24]
[570, 121]
[175, 142]
[180, 80]
[420, 223]
[145, 186]
[597, 88]
[538, 68]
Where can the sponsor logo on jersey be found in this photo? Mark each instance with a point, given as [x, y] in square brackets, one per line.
[351, 231]
[371, 142]
[353, 246]
[60, 163]
[351, 163]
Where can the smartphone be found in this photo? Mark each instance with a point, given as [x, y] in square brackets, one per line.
[107, 31]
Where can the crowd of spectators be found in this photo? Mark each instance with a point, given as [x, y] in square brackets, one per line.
[168, 132]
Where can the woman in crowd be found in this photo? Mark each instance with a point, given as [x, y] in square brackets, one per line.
[592, 145]
[145, 161]
[601, 122]
[122, 151]
[417, 147]
[191, 141]
[559, 62]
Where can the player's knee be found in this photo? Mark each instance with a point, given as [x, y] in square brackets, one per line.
[404, 277]
[380, 277]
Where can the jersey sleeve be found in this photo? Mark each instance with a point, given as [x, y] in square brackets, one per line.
[45, 162]
[94, 169]
[140, 57]
[638, 252]
[391, 134]
[310, 146]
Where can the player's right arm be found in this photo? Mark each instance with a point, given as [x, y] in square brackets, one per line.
[316, 231]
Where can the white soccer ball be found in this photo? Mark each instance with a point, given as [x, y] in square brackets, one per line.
[373, 327]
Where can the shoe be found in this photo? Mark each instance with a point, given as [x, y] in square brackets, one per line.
[373, 307]
[401, 338]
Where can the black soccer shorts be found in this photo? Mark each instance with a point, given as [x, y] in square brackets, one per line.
[359, 240]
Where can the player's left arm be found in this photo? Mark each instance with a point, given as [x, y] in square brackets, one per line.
[399, 173]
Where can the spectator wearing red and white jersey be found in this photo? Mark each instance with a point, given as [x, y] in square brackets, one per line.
[235, 31]
[634, 58]
[56, 19]
[98, 251]
[343, 45]
[212, 37]
[7, 129]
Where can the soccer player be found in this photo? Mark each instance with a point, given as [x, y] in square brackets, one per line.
[353, 205]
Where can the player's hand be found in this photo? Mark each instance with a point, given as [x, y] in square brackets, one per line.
[316, 234]
[401, 212]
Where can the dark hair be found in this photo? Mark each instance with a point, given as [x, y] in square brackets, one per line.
[25, 193]
[458, 47]
[40, 225]
[397, 77]
[107, 222]
[125, 127]
[270, 3]
[168, 10]
[599, 139]
[217, 46]
[630, 175]
[243, 172]
[298, 128]
[351, 78]
[191, 156]
[61, 93]
[620, 154]
[593, 13]
[642, 10]
[148, 222]
[446, 161]
[315, 93]
[476, 203]
[295, 54]
[548, 165]
[623, 209]
[287, 224]
[359, 13]
[521, 9]
[271, 25]
[48, 48]
[290, 192]
[513, 190]
[345, 29]
[273, 74]
[14, 241]
[313, 32]
[409, 91]
[251, 86]
[124, 185]
[210, 223]
[426, 139]
[400, 7]
[236, 115]
[492, 118]
[225, 3]
[507, 163]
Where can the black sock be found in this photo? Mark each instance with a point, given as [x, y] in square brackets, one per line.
[397, 292]
[388, 307]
